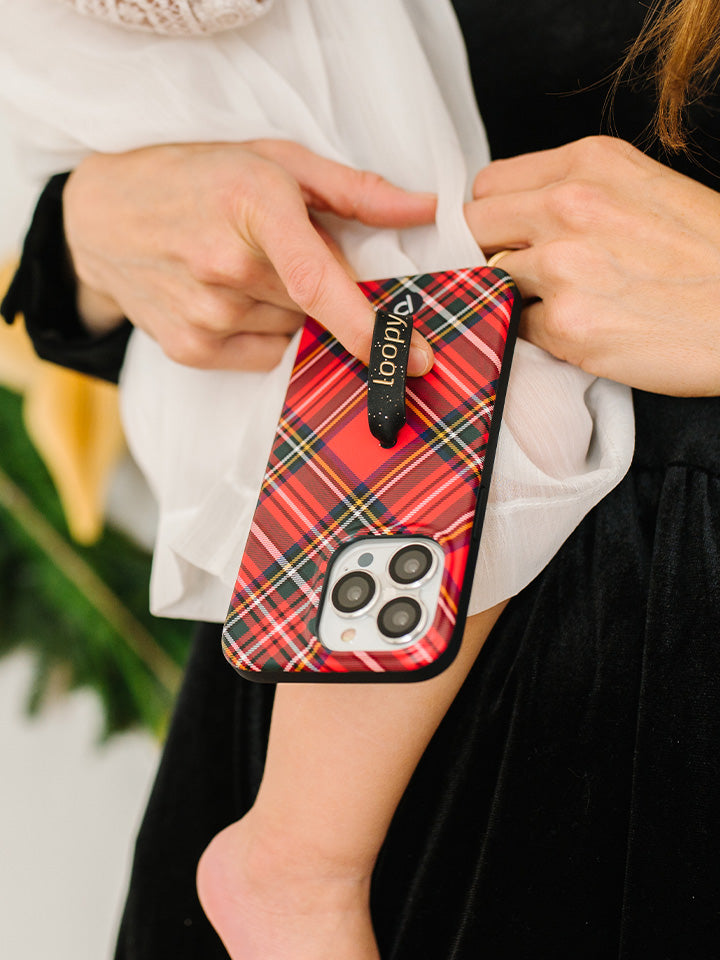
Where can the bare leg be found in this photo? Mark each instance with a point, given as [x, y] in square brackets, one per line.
[291, 880]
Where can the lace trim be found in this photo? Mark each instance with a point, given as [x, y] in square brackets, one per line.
[174, 17]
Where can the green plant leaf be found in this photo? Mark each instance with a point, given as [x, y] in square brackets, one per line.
[83, 611]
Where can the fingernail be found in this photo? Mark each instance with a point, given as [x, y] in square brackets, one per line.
[419, 361]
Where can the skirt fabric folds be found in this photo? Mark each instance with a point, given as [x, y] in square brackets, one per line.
[568, 805]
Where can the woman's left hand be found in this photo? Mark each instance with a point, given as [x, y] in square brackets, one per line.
[618, 260]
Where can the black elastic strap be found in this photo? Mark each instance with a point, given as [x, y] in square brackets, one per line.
[387, 372]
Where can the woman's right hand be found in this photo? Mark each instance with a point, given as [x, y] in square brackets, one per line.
[210, 248]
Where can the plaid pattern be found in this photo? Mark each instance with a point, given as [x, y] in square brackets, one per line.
[329, 481]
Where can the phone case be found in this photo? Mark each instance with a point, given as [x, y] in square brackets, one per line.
[328, 481]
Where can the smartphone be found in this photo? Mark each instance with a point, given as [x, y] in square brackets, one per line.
[360, 558]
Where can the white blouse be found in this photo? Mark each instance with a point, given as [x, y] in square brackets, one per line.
[174, 17]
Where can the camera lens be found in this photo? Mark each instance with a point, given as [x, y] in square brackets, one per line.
[399, 617]
[411, 564]
[353, 592]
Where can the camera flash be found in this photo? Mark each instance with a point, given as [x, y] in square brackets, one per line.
[348, 635]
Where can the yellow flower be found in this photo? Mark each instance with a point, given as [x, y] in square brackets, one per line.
[72, 419]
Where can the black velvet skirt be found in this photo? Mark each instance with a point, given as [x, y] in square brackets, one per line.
[569, 804]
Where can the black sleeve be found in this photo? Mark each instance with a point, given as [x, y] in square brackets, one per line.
[44, 290]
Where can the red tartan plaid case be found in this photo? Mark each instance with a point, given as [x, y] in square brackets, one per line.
[328, 481]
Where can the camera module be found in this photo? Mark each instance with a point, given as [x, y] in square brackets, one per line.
[399, 617]
[411, 564]
[353, 592]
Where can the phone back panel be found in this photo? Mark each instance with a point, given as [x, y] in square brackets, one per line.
[329, 481]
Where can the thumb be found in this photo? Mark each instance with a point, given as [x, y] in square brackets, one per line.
[320, 286]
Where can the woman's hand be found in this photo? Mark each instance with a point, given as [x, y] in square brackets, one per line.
[620, 261]
[210, 248]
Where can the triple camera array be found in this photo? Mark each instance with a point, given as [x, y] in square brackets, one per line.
[355, 593]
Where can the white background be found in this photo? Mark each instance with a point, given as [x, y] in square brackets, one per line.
[69, 808]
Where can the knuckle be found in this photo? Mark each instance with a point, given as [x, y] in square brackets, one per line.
[595, 153]
[263, 203]
[364, 187]
[277, 151]
[558, 262]
[305, 282]
[256, 188]
[266, 358]
[268, 175]
[575, 203]
[572, 267]
[484, 177]
[219, 264]
[369, 180]
[188, 347]
[214, 313]
[588, 151]
[567, 322]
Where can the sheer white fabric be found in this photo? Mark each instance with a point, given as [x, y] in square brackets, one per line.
[383, 85]
[174, 17]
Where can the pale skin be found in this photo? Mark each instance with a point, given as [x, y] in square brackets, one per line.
[275, 885]
[618, 259]
[623, 254]
[210, 249]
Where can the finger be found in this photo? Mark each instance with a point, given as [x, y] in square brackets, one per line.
[543, 271]
[264, 284]
[532, 326]
[569, 209]
[205, 345]
[221, 311]
[244, 278]
[241, 351]
[583, 327]
[250, 351]
[507, 221]
[565, 330]
[421, 355]
[319, 285]
[586, 334]
[353, 194]
[519, 264]
[528, 171]
[266, 318]
[601, 158]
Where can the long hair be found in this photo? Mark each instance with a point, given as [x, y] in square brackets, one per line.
[680, 44]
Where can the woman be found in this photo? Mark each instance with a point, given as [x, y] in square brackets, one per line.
[565, 803]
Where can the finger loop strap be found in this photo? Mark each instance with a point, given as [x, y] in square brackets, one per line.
[386, 376]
